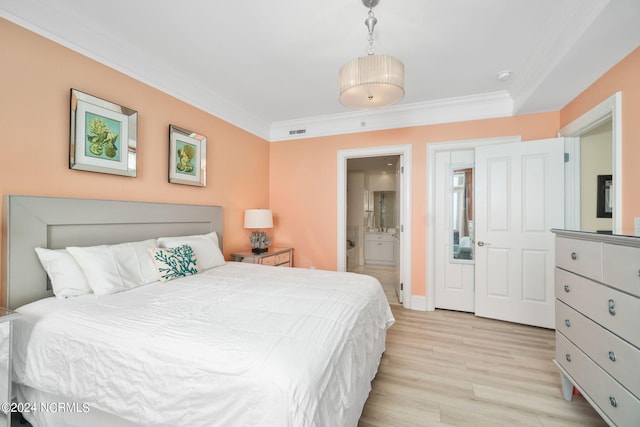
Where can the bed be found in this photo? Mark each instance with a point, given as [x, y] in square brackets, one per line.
[233, 344]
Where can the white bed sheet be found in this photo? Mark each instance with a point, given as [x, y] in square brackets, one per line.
[239, 344]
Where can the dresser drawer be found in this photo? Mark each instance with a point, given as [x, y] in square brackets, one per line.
[580, 256]
[283, 259]
[603, 391]
[615, 310]
[620, 359]
[622, 268]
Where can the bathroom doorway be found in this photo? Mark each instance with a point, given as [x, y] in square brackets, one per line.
[373, 228]
[373, 211]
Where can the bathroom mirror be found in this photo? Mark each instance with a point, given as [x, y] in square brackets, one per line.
[461, 191]
[384, 210]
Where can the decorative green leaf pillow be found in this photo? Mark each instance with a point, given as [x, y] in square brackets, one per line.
[172, 263]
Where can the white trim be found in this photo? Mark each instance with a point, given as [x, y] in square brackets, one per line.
[609, 108]
[432, 149]
[490, 105]
[465, 108]
[419, 302]
[572, 180]
[341, 250]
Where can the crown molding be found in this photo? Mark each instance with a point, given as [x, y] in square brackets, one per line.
[490, 105]
[164, 80]
[562, 35]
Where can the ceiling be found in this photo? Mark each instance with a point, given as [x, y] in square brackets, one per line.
[271, 67]
[380, 164]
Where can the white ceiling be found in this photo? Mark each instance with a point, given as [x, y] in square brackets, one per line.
[381, 164]
[271, 66]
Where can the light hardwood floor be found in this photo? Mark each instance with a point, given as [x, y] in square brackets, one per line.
[447, 368]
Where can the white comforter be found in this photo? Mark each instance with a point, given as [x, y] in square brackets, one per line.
[240, 344]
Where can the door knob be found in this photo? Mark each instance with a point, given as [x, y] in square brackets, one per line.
[481, 243]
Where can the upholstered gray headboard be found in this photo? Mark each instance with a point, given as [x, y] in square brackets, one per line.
[55, 223]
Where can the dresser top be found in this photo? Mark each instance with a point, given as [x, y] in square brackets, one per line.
[614, 239]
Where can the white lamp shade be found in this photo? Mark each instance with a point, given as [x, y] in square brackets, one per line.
[371, 81]
[258, 218]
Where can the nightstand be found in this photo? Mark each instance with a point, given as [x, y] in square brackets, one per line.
[6, 330]
[278, 257]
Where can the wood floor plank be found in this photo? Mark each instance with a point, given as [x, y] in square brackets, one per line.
[447, 368]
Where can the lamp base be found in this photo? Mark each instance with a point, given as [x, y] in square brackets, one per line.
[259, 250]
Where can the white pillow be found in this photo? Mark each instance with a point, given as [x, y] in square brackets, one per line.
[205, 246]
[115, 268]
[134, 262]
[67, 279]
[100, 268]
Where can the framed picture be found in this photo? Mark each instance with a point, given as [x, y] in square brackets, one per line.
[102, 136]
[187, 157]
[605, 203]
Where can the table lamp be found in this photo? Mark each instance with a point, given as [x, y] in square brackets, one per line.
[258, 218]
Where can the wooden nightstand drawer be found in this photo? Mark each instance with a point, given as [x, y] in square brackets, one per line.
[277, 257]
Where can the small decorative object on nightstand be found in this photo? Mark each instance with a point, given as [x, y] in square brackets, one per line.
[277, 257]
[258, 218]
[6, 329]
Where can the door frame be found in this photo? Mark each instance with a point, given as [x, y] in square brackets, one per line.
[432, 149]
[405, 221]
[610, 108]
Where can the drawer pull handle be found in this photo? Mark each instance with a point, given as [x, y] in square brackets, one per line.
[613, 401]
[568, 357]
[568, 323]
[612, 356]
[574, 256]
[612, 307]
[567, 288]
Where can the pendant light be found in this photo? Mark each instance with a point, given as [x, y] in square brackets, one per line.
[374, 80]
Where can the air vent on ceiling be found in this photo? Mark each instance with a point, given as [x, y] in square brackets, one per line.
[297, 131]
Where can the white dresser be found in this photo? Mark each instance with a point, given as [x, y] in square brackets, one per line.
[597, 289]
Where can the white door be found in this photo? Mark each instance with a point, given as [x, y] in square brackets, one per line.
[523, 199]
[454, 279]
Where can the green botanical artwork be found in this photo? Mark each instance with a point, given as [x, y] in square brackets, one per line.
[185, 162]
[102, 137]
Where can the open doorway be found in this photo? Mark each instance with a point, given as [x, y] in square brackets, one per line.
[373, 220]
[374, 217]
[603, 119]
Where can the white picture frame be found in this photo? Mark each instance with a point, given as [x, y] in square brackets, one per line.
[102, 136]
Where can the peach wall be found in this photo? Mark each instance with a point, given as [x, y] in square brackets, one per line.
[623, 77]
[303, 177]
[36, 76]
